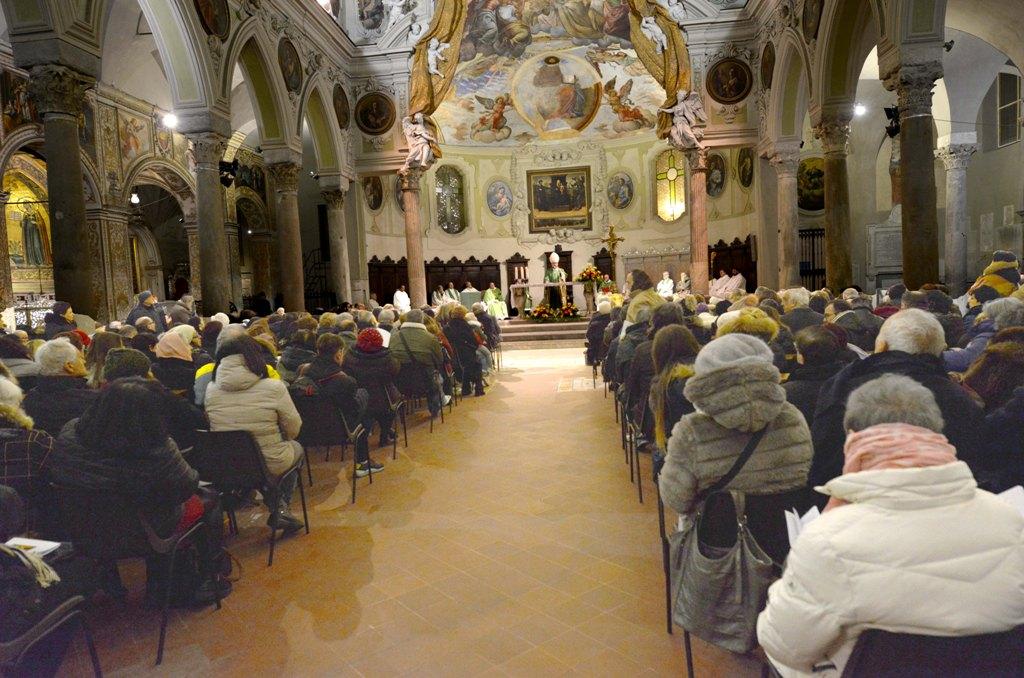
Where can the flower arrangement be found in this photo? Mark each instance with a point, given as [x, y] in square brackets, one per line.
[590, 274]
[608, 287]
[542, 313]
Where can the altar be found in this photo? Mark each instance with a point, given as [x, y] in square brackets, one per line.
[520, 293]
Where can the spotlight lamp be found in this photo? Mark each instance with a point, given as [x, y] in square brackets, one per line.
[228, 171]
[135, 198]
[892, 114]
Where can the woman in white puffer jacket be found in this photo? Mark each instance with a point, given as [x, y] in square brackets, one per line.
[907, 544]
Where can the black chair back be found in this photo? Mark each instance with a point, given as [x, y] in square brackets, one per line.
[322, 425]
[230, 460]
[880, 654]
[414, 381]
[101, 524]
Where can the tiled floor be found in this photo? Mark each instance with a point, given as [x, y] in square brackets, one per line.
[508, 542]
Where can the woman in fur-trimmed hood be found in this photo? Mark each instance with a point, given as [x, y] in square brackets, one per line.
[1002, 275]
[736, 392]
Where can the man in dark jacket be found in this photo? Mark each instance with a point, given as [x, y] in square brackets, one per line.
[797, 315]
[909, 343]
[820, 356]
[492, 332]
[146, 307]
[861, 324]
[1003, 465]
[595, 332]
[59, 320]
[331, 381]
[412, 344]
[635, 335]
[347, 332]
[61, 393]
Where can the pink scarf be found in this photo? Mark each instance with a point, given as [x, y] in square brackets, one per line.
[894, 446]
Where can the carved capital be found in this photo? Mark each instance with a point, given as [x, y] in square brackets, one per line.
[956, 156]
[335, 199]
[285, 176]
[786, 161]
[410, 178]
[913, 84]
[698, 159]
[208, 149]
[834, 133]
[58, 89]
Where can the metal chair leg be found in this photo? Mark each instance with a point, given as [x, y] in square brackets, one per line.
[166, 605]
[689, 654]
[302, 498]
[93, 655]
[309, 471]
[405, 427]
[355, 464]
[639, 478]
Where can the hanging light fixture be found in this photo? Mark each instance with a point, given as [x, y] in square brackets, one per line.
[135, 198]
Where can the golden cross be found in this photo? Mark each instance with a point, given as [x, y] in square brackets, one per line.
[612, 241]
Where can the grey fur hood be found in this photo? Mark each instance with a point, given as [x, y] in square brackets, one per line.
[744, 396]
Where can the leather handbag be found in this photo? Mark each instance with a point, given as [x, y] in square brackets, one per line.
[718, 592]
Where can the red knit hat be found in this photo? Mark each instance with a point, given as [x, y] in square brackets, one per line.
[369, 341]
[83, 336]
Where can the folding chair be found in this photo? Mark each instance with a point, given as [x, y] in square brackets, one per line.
[880, 654]
[14, 652]
[415, 382]
[321, 425]
[666, 567]
[233, 463]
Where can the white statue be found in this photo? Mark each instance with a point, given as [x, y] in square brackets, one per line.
[676, 11]
[421, 143]
[435, 54]
[688, 121]
[650, 28]
[395, 9]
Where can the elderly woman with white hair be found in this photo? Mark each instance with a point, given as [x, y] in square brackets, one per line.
[909, 343]
[23, 449]
[907, 543]
[61, 392]
[998, 314]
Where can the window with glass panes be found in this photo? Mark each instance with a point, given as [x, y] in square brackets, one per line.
[1008, 108]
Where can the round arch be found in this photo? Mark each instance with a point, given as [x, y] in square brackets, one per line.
[850, 29]
[159, 172]
[322, 127]
[28, 135]
[791, 90]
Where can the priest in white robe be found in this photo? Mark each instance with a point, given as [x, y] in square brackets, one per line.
[666, 286]
[736, 283]
[718, 285]
[401, 300]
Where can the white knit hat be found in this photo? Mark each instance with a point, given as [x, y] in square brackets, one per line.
[730, 350]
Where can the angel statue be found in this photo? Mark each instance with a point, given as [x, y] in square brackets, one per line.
[676, 11]
[652, 31]
[688, 121]
[435, 54]
[422, 144]
[395, 9]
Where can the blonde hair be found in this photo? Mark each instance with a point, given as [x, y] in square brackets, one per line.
[752, 321]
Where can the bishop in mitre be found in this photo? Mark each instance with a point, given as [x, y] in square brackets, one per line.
[555, 274]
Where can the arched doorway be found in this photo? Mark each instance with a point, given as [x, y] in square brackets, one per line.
[159, 243]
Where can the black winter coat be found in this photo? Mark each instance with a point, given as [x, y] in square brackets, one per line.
[176, 374]
[595, 337]
[152, 312]
[801, 318]
[464, 342]
[376, 373]
[54, 324]
[804, 384]
[1002, 463]
[57, 400]
[960, 412]
[334, 384]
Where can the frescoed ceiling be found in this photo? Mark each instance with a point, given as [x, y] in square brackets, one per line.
[547, 69]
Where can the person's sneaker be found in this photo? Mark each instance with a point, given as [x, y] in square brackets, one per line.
[363, 470]
[285, 521]
[447, 399]
[206, 593]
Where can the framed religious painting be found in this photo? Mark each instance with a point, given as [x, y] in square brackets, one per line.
[375, 114]
[717, 175]
[215, 17]
[811, 18]
[559, 199]
[398, 193]
[620, 190]
[341, 108]
[291, 65]
[373, 192]
[745, 166]
[767, 65]
[499, 198]
[810, 185]
[729, 81]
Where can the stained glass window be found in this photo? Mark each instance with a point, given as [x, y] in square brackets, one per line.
[670, 184]
[451, 201]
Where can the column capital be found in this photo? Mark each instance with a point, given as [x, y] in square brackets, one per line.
[785, 160]
[335, 198]
[913, 84]
[58, 89]
[208, 149]
[956, 156]
[834, 133]
[410, 178]
[285, 176]
[698, 159]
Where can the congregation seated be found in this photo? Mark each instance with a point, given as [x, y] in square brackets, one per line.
[102, 343]
[59, 320]
[491, 329]
[821, 353]
[24, 450]
[16, 357]
[640, 370]
[465, 341]
[634, 335]
[998, 314]
[174, 367]
[413, 345]
[374, 370]
[330, 381]
[595, 332]
[673, 352]
[796, 313]
[906, 544]
[61, 392]
[243, 397]
[300, 349]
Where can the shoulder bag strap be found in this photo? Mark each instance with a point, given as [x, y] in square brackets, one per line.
[737, 466]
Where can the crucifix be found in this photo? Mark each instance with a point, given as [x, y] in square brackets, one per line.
[612, 242]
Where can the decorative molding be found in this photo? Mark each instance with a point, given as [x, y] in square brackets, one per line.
[786, 161]
[58, 89]
[698, 159]
[335, 199]
[372, 84]
[729, 113]
[956, 156]
[834, 133]
[913, 84]
[208, 149]
[730, 50]
[216, 48]
[285, 176]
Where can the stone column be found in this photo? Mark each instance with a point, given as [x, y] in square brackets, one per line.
[234, 263]
[195, 257]
[340, 274]
[262, 258]
[289, 237]
[213, 286]
[895, 173]
[698, 159]
[956, 157]
[58, 93]
[786, 161]
[6, 284]
[414, 237]
[914, 85]
[834, 132]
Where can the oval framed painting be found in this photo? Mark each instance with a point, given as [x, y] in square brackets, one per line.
[810, 185]
[375, 114]
[729, 81]
[767, 65]
[341, 108]
[215, 17]
[811, 19]
[745, 166]
[398, 193]
[499, 198]
[291, 65]
[620, 190]
[717, 175]
[373, 192]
